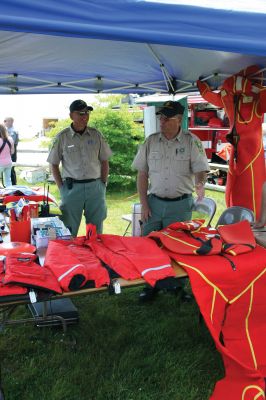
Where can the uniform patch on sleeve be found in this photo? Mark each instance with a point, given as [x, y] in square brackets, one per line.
[54, 142]
[198, 144]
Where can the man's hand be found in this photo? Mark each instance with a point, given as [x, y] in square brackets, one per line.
[145, 213]
[200, 190]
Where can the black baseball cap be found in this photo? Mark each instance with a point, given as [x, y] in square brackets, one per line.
[171, 108]
[79, 105]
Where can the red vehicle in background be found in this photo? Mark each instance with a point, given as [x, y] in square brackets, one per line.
[211, 125]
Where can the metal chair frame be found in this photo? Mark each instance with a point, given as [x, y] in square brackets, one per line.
[205, 206]
[235, 214]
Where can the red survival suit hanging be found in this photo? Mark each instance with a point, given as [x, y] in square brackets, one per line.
[244, 101]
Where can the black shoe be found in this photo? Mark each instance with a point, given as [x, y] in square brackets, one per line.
[148, 294]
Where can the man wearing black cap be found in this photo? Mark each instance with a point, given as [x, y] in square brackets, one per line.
[84, 155]
[171, 164]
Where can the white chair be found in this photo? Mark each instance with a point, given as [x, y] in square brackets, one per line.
[235, 214]
[207, 207]
[128, 218]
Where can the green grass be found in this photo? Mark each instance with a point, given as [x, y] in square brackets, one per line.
[119, 350]
[123, 351]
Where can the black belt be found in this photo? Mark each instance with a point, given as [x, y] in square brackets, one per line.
[70, 181]
[80, 180]
[184, 196]
[84, 180]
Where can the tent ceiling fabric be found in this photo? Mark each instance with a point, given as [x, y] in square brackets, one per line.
[95, 46]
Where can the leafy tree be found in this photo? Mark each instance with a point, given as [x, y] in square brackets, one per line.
[122, 134]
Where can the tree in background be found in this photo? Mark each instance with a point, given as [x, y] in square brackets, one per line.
[117, 125]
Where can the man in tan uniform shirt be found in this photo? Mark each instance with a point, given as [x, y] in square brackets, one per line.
[171, 165]
[84, 155]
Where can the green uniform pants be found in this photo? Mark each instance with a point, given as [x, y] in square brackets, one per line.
[165, 213]
[83, 197]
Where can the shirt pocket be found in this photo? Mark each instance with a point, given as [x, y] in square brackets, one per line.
[182, 164]
[72, 153]
[155, 161]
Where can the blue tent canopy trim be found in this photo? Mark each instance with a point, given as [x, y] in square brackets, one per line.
[104, 46]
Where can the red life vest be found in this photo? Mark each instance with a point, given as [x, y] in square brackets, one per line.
[184, 242]
[74, 265]
[8, 290]
[22, 269]
[191, 238]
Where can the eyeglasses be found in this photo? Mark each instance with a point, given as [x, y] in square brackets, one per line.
[164, 118]
[81, 113]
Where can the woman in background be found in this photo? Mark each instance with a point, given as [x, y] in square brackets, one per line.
[6, 149]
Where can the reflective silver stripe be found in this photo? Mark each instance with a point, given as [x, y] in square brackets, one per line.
[68, 272]
[155, 269]
[239, 80]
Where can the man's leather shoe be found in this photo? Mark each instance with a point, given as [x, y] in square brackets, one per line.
[148, 294]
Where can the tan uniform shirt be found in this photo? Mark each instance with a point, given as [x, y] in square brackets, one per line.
[80, 155]
[171, 164]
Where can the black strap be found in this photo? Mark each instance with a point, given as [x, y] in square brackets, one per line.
[230, 261]
[233, 136]
[206, 245]
[5, 141]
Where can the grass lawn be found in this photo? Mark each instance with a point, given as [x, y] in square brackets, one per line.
[119, 350]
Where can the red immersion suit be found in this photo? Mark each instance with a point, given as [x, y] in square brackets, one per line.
[244, 101]
[232, 302]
